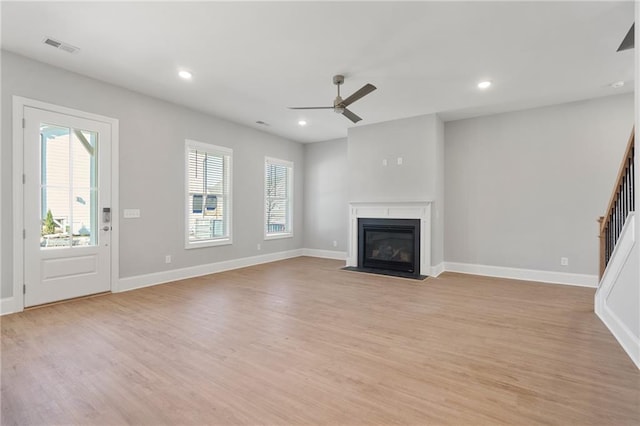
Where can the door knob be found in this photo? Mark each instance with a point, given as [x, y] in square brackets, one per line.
[106, 228]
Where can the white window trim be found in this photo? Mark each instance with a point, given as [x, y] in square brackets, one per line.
[223, 241]
[279, 235]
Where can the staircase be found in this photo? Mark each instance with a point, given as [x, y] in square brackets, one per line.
[617, 300]
[621, 203]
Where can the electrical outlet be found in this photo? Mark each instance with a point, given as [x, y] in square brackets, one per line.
[384, 162]
[258, 247]
[399, 161]
[564, 261]
[167, 259]
[335, 243]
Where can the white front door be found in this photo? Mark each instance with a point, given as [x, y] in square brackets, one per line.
[67, 200]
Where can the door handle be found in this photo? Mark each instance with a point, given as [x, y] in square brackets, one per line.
[106, 228]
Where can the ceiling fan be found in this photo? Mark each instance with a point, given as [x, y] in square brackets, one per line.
[340, 105]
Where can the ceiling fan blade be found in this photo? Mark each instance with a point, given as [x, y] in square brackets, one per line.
[628, 41]
[351, 116]
[363, 91]
[311, 107]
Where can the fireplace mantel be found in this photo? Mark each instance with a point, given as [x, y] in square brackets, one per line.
[392, 210]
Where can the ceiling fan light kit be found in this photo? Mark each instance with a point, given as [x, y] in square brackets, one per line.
[340, 105]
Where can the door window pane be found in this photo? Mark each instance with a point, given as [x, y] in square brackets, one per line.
[68, 187]
[56, 218]
[83, 227]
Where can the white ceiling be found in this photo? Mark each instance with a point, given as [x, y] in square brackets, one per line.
[250, 61]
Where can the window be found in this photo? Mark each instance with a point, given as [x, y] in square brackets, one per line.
[208, 191]
[278, 187]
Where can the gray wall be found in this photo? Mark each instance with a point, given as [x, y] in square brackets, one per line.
[152, 134]
[326, 210]
[437, 247]
[624, 299]
[523, 189]
[413, 139]
[419, 141]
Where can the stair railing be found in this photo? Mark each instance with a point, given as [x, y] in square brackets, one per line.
[621, 203]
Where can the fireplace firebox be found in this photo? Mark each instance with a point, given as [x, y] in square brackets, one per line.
[390, 246]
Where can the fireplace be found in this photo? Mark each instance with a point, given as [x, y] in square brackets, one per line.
[389, 245]
[419, 215]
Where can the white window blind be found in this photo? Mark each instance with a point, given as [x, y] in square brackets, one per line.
[208, 193]
[278, 183]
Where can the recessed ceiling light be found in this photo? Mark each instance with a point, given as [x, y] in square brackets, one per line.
[185, 74]
[302, 123]
[484, 84]
[617, 84]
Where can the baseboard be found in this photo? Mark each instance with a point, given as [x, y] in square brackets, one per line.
[582, 280]
[7, 306]
[325, 254]
[147, 280]
[624, 336]
[437, 270]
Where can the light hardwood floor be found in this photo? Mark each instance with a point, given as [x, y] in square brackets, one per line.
[302, 342]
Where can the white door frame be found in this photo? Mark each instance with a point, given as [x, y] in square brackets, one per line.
[19, 103]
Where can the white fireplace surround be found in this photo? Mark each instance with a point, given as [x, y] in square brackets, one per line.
[392, 210]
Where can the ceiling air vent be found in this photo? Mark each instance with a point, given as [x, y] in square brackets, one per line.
[52, 42]
[60, 45]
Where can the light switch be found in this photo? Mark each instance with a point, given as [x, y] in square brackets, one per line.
[384, 162]
[399, 161]
[131, 213]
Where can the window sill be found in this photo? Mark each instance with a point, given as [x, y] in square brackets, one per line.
[277, 236]
[208, 243]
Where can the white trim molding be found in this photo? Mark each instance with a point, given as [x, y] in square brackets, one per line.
[155, 278]
[624, 336]
[325, 254]
[620, 258]
[7, 306]
[287, 233]
[19, 105]
[552, 277]
[392, 210]
[437, 270]
[227, 194]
